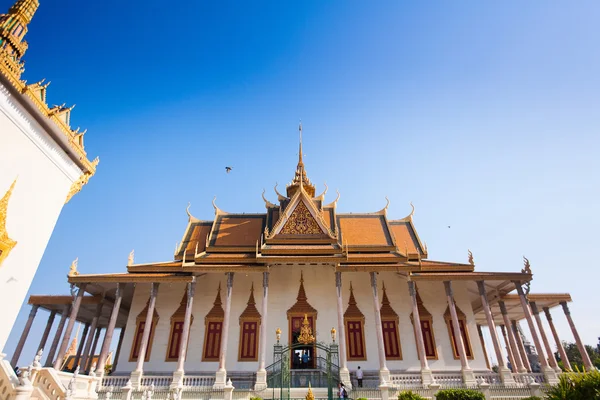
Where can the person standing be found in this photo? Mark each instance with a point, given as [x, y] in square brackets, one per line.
[342, 393]
[359, 376]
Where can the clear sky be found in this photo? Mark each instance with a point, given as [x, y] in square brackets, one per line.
[483, 114]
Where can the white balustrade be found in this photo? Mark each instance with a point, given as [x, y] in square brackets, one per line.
[198, 381]
[160, 381]
[449, 379]
[491, 378]
[114, 381]
[406, 380]
[526, 378]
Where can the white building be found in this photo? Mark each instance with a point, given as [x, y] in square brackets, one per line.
[42, 165]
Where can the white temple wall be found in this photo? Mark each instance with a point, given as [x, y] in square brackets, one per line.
[44, 176]
[319, 284]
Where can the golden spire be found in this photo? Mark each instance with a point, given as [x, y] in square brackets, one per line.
[6, 243]
[300, 178]
[13, 27]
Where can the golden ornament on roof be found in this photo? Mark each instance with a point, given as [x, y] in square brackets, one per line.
[306, 335]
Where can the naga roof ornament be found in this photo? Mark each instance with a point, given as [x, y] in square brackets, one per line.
[6, 243]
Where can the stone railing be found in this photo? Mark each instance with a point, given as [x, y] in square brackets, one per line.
[448, 379]
[406, 380]
[114, 381]
[526, 377]
[8, 379]
[159, 381]
[491, 378]
[48, 383]
[199, 381]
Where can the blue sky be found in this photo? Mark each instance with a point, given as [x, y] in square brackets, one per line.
[483, 114]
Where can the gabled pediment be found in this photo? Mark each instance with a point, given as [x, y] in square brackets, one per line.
[301, 219]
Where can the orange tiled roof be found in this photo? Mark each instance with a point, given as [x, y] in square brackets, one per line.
[364, 230]
[406, 238]
[237, 230]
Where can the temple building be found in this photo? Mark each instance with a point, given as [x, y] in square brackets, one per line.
[40, 153]
[302, 293]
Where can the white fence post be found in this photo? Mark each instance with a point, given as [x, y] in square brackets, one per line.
[228, 390]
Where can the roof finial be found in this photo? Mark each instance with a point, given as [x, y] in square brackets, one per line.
[300, 153]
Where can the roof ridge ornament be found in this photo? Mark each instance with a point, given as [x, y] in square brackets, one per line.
[471, 261]
[268, 204]
[280, 197]
[6, 242]
[73, 268]
[322, 195]
[334, 203]
[191, 218]
[130, 258]
[526, 270]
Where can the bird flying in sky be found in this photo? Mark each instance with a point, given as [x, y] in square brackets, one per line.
[228, 169]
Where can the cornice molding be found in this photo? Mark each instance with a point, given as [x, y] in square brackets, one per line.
[30, 128]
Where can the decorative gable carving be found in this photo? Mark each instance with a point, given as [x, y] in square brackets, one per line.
[301, 222]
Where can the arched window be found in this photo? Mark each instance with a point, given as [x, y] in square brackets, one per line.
[462, 322]
[213, 323]
[249, 330]
[426, 325]
[177, 320]
[389, 326]
[354, 320]
[140, 322]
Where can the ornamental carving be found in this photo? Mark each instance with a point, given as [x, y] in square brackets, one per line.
[301, 222]
[6, 243]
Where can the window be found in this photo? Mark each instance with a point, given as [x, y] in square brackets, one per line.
[212, 341]
[139, 332]
[462, 322]
[249, 328]
[249, 341]
[213, 323]
[355, 333]
[426, 324]
[355, 341]
[176, 333]
[389, 326]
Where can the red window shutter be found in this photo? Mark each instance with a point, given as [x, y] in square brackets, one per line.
[463, 333]
[213, 340]
[390, 339]
[427, 338]
[138, 340]
[174, 346]
[355, 339]
[248, 340]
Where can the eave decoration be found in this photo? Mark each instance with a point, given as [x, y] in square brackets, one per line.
[6, 243]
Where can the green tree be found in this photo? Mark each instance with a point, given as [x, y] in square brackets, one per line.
[575, 356]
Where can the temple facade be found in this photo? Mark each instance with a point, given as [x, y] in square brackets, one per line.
[301, 293]
[39, 153]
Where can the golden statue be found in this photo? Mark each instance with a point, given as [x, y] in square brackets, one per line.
[310, 395]
[306, 335]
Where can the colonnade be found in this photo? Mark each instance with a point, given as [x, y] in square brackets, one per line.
[512, 338]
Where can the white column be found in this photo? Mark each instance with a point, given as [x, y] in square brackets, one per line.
[549, 352]
[221, 375]
[587, 363]
[344, 372]
[136, 375]
[179, 373]
[426, 374]
[90, 338]
[467, 372]
[261, 374]
[57, 335]
[384, 372]
[561, 350]
[549, 373]
[47, 330]
[521, 345]
[509, 351]
[72, 318]
[505, 373]
[19, 348]
[517, 364]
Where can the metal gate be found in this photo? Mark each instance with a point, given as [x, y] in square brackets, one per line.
[286, 373]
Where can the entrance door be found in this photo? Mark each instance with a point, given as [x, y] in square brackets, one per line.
[302, 356]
